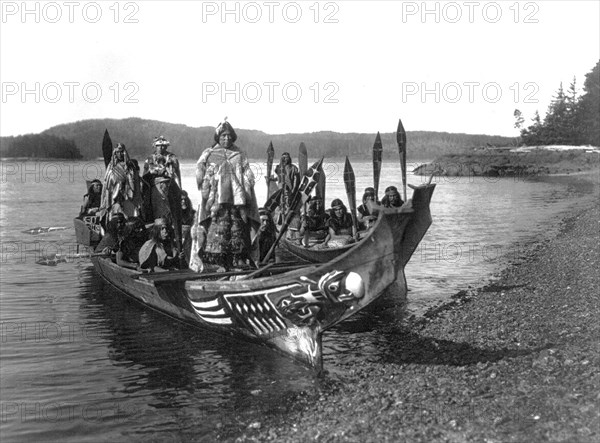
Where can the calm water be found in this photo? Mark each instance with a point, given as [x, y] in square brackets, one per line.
[79, 362]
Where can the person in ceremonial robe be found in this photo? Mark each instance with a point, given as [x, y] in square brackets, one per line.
[121, 192]
[162, 181]
[227, 213]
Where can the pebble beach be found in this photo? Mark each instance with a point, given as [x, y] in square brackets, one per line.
[517, 360]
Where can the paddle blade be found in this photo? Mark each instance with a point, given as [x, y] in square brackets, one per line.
[350, 184]
[401, 139]
[309, 181]
[107, 148]
[270, 157]
[320, 188]
[377, 154]
[271, 185]
[302, 159]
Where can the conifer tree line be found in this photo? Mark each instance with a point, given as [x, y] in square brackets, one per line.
[39, 146]
[571, 119]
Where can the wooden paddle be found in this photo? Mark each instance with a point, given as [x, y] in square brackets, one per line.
[401, 139]
[350, 184]
[320, 189]
[302, 159]
[302, 194]
[268, 178]
[53, 260]
[377, 153]
[107, 148]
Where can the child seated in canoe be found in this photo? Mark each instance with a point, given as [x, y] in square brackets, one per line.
[159, 253]
[131, 242]
[313, 226]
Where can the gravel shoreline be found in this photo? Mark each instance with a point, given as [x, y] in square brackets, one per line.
[515, 361]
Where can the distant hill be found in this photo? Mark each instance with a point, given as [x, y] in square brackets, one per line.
[188, 142]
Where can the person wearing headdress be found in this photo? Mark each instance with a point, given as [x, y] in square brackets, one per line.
[92, 200]
[391, 199]
[121, 192]
[340, 224]
[366, 214]
[162, 181]
[227, 212]
[159, 253]
[313, 224]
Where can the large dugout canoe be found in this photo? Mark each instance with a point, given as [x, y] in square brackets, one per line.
[287, 307]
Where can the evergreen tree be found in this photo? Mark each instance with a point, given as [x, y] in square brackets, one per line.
[588, 109]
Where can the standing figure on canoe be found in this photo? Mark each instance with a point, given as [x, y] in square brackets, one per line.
[228, 210]
[162, 182]
[121, 192]
[288, 180]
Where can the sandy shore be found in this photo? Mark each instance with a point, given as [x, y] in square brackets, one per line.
[515, 361]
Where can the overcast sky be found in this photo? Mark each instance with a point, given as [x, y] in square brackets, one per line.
[345, 66]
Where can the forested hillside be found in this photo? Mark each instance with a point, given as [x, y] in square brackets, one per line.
[188, 142]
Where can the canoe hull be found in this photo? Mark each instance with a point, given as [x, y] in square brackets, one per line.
[286, 311]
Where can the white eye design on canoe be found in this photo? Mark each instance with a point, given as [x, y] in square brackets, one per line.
[342, 287]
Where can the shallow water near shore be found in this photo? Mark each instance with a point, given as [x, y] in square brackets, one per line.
[80, 362]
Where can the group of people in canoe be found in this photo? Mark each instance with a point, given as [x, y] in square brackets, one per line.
[149, 222]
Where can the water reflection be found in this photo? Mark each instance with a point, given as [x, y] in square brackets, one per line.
[184, 372]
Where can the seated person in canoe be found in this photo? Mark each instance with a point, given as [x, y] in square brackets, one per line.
[159, 253]
[391, 199]
[131, 242]
[314, 227]
[92, 200]
[115, 230]
[227, 213]
[341, 227]
[267, 234]
[366, 213]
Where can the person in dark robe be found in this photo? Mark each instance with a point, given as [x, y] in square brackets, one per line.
[109, 244]
[131, 242]
[391, 199]
[188, 214]
[267, 234]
